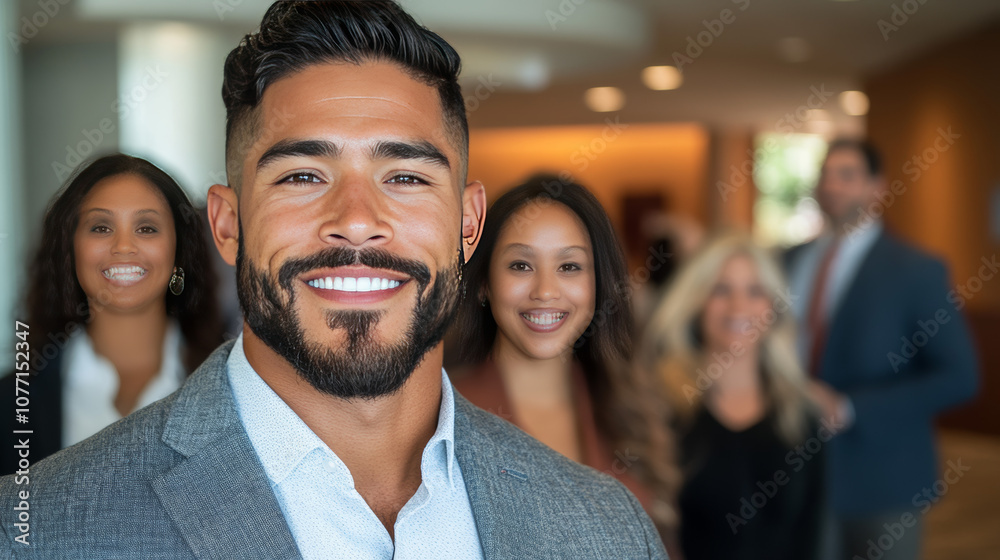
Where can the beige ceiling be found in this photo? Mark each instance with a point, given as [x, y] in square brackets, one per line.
[544, 54]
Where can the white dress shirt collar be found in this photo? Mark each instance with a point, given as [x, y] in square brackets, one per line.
[326, 515]
[282, 440]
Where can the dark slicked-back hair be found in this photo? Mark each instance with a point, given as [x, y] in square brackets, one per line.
[869, 153]
[294, 35]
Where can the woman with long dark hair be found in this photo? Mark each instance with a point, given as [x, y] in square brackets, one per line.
[546, 333]
[120, 303]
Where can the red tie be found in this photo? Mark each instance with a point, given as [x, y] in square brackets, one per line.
[816, 321]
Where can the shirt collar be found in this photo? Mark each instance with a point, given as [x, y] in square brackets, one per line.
[282, 440]
[855, 238]
[861, 238]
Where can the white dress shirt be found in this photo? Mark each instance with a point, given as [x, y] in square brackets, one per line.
[327, 517]
[90, 384]
[853, 249]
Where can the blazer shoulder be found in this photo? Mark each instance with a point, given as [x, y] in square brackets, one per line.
[125, 453]
[507, 446]
[906, 256]
[532, 499]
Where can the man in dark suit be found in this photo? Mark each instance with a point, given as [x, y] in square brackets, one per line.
[887, 350]
[328, 429]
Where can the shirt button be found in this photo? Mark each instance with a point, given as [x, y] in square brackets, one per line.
[329, 466]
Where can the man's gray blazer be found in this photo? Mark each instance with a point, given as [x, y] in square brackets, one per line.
[180, 479]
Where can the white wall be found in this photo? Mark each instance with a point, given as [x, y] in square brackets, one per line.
[13, 237]
[170, 77]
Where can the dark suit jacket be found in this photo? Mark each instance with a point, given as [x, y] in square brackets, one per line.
[897, 379]
[45, 417]
[180, 479]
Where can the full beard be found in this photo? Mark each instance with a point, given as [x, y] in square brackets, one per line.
[363, 367]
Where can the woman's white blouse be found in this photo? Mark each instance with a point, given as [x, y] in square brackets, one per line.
[90, 384]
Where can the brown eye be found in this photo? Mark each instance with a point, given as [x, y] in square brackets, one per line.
[299, 178]
[406, 179]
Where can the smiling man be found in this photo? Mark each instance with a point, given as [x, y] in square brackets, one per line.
[329, 429]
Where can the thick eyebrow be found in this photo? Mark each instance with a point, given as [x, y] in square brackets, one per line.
[571, 248]
[530, 250]
[298, 148]
[420, 150]
[110, 213]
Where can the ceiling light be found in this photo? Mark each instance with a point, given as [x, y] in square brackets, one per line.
[662, 78]
[854, 103]
[604, 99]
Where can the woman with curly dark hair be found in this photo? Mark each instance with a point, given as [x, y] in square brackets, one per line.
[546, 334]
[120, 304]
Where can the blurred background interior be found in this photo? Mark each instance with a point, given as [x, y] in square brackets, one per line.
[683, 114]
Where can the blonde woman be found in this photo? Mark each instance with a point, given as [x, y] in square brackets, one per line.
[722, 342]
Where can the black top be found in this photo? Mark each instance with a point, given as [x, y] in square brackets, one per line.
[748, 495]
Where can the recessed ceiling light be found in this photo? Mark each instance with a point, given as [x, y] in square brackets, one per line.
[604, 99]
[854, 103]
[662, 78]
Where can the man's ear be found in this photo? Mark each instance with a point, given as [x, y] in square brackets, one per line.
[473, 216]
[223, 218]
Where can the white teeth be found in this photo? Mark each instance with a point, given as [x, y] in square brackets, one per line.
[128, 272]
[544, 319]
[352, 284]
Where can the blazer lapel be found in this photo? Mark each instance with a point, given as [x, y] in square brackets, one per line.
[219, 496]
[868, 274]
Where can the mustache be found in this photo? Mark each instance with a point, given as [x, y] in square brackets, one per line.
[342, 256]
